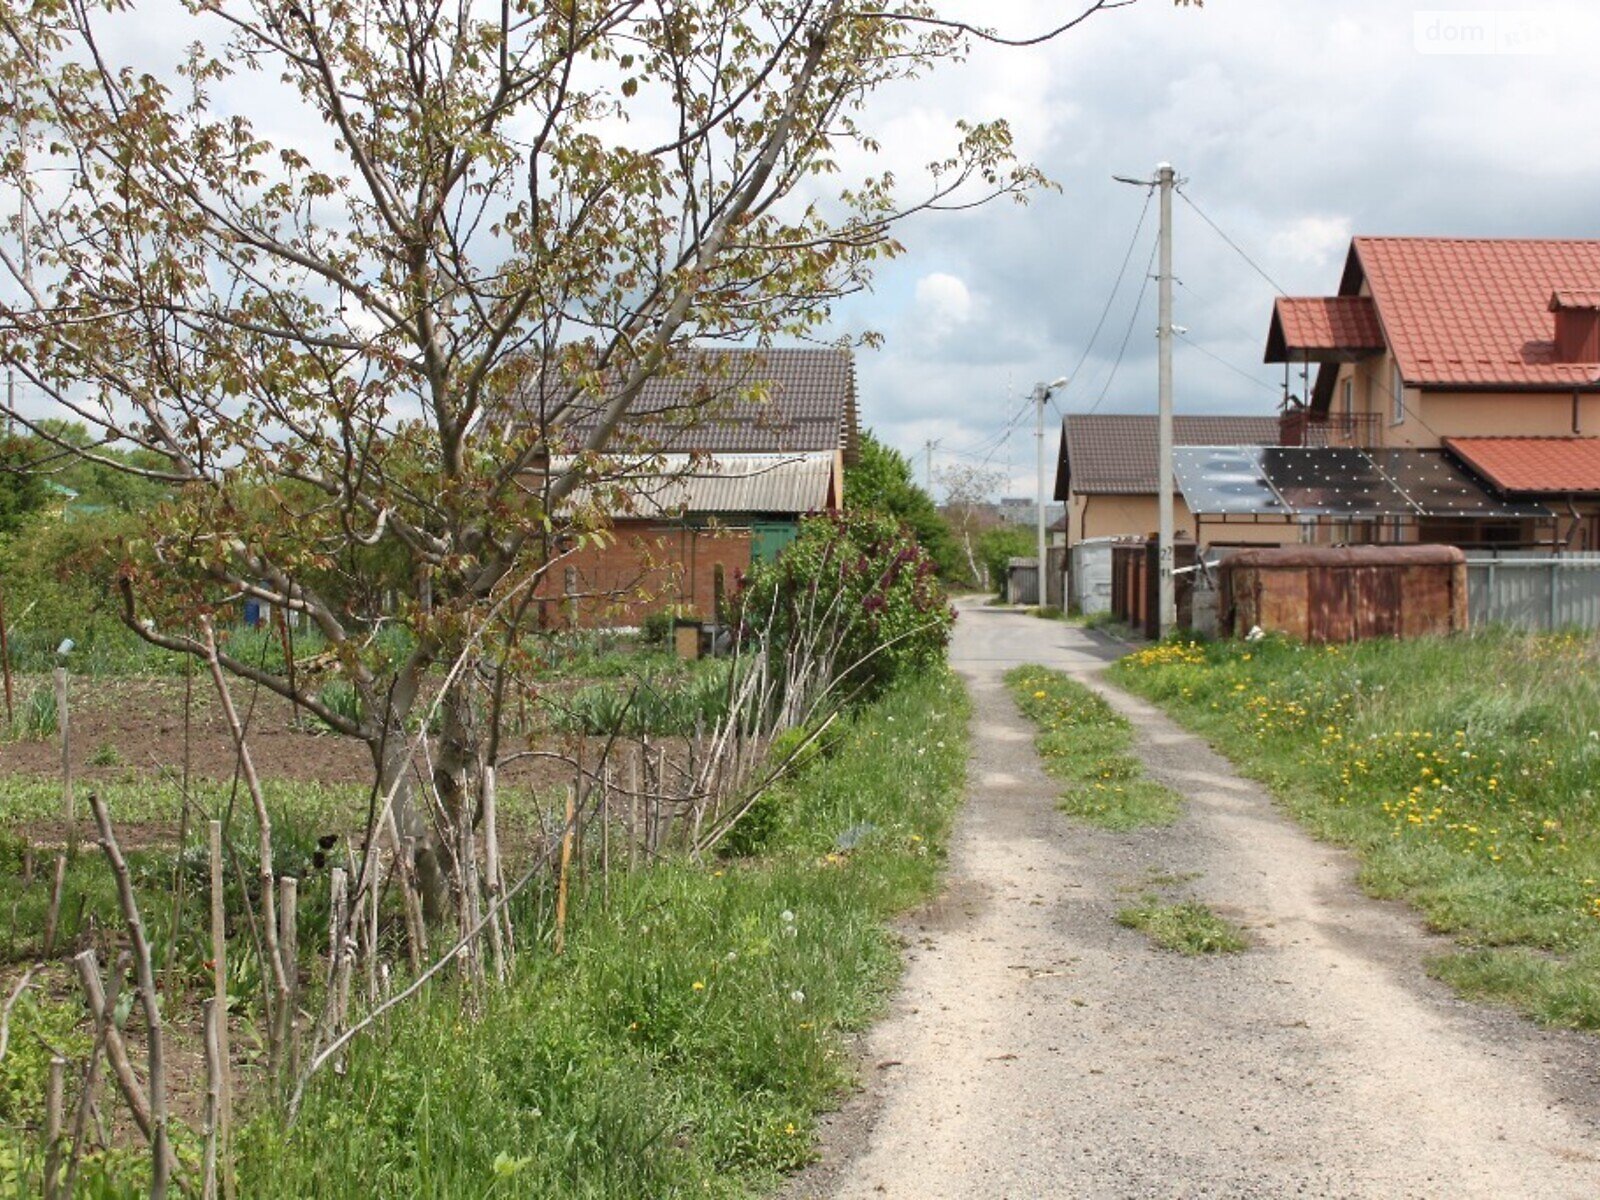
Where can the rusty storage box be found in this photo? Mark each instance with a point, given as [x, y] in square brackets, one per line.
[1345, 593]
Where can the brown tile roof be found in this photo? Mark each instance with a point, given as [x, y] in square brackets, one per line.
[1323, 328]
[1475, 312]
[1541, 465]
[1116, 453]
[734, 401]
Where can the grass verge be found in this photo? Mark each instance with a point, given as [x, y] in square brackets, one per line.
[1464, 772]
[1084, 743]
[695, 1024]
[1188, 927]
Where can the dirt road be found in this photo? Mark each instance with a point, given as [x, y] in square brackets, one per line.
[1038, 1049]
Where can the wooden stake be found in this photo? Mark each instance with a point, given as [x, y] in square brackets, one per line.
[69, 808]
[289, 941]
[566, 863]
[214, 1118]
[102, 1007]
[5, 659]
[633, 810]
[219, 984]
[372, 942]
[52, 915]
[605, 835]
[150, 1002]
[338, 922]
[499, 921]
[272, 995]
[54, 1091]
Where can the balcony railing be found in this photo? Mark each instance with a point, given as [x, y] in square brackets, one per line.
[1301, 427]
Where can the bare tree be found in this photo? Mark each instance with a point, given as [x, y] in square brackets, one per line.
[310, 262]
[968, 491]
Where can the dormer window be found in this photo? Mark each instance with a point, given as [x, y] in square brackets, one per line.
[1577, 326]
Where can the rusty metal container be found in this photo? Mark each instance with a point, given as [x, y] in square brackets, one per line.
[1345, 594]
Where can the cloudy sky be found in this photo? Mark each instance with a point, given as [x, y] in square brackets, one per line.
[1296, 123]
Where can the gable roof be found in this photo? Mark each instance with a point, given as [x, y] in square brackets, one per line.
[1475, 312]
[1115, 453]
[1533, 465]
[738, 401]
[1323, 329]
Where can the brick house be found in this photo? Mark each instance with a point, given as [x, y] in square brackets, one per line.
[1482, 352]
[714, 468]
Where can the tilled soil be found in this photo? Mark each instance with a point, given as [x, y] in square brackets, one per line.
[1038, 1049]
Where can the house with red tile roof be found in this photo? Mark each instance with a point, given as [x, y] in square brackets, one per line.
[1486, 349]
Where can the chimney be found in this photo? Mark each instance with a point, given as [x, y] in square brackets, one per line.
[1577, 326]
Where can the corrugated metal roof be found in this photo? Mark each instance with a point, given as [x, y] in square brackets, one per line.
[679, 484]
[1115, 454]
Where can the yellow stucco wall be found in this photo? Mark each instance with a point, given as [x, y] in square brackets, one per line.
[1098, 516]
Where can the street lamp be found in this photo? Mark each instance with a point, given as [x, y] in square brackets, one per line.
[1041, 394]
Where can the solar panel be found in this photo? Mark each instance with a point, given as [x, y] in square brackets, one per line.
[1332, 482]
[1219, 480]
[1442, 488]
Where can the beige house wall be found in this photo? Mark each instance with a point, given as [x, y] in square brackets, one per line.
[1098, 516]
[1432, 415]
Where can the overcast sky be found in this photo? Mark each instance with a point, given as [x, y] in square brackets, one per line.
[1297, 124]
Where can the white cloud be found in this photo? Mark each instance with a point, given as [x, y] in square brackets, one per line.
[942, 302]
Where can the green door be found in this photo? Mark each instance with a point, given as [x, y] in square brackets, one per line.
[768, 538]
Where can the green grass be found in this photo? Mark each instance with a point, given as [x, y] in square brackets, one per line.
[683, 1043]
[1187, 927]
[1464, 772]
[1085, 743]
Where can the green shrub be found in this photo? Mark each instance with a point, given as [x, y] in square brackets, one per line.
[656, 628]
[858, 580]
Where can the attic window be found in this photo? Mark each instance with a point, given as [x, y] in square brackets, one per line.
[1577, 332]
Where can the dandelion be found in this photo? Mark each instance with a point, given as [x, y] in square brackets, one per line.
[697, 986]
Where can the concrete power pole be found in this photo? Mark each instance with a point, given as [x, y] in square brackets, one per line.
[1168, 606]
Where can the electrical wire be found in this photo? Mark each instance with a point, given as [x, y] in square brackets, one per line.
[1105, 312]
[1133, 320]
[1217, 358]
[1255, 266]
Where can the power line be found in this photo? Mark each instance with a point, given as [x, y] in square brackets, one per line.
[1133, 320]
[1255, 266]
[1105, 312]
[1217, 358]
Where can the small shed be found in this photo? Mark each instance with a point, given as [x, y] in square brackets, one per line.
[1345, 593]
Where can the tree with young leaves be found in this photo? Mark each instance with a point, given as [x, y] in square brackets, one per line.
[371, 286]
[881, 481]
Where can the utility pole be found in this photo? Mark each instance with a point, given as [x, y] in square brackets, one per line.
[928, 466]
[1168, 606]
[1041, 395]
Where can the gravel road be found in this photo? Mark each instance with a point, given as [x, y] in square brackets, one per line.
[1038, 1049]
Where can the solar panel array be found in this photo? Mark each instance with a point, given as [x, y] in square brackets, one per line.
[1336, 482]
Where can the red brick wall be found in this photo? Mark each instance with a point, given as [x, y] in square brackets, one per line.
[645, 567]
